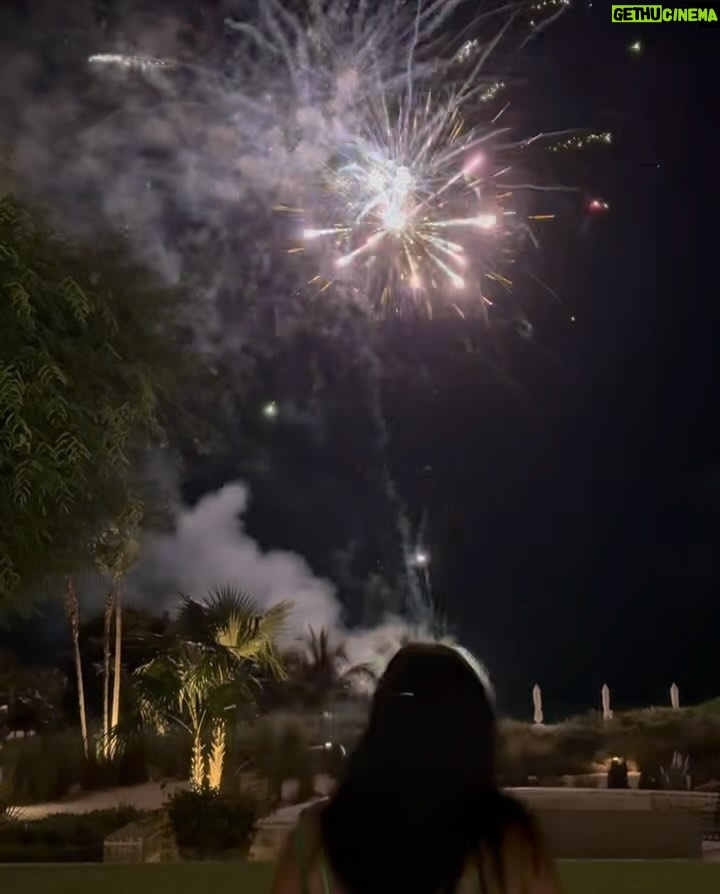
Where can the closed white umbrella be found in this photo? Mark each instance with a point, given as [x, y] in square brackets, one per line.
[537, 702]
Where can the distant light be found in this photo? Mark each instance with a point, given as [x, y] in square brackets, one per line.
[421, 559]
[572, 319]
[270, 410]
[636, 47]
[598, 205]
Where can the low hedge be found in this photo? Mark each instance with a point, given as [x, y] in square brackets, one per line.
[207, 824]
[61, 838]
[648, 737]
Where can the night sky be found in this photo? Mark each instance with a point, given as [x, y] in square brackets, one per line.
[570, 481]
[582, 549]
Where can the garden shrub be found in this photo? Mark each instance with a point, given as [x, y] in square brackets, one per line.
[47, 767]
[545, 753]
[209, 823]
[648, 737]
[44, 767]
[62, 838]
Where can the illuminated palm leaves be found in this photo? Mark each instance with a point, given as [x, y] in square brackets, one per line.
[224, 644]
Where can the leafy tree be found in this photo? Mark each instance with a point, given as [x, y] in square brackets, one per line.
[223, 645]
[85, 354]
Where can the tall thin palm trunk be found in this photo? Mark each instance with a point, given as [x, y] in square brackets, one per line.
[107, 632]
[118, 664]
[72, 611]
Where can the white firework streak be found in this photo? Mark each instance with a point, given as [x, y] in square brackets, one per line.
[121, 60]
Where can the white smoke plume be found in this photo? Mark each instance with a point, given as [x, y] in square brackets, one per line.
[210, 548]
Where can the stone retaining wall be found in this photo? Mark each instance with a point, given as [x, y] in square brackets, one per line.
[141, 842]
[578, 824]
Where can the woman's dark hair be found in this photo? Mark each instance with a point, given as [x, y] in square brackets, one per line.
[420, 794]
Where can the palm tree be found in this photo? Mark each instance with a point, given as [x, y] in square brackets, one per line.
[107, 629]
[72, 612]
[321, 670]
[223, 644]
[116, 550]
[124, 560]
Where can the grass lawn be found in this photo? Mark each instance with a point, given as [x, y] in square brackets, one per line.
[582, 877]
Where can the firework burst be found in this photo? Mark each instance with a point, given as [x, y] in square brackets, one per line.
[380, 130]
[406, 202]
[410, 206]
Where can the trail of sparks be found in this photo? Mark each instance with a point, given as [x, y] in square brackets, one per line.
[121, 60]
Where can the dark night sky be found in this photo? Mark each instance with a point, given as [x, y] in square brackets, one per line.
[586, 553]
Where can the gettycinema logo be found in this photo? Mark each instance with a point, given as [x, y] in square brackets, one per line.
[640, 13]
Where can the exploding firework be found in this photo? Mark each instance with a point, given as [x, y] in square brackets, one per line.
[382, 134]
[407, 203]
[410, 204]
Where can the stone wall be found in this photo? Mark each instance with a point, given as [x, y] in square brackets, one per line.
[141, 842]
[577, 824]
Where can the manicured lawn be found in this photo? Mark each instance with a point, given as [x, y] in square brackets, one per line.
[583, 877]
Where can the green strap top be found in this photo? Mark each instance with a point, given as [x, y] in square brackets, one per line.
[302, 860]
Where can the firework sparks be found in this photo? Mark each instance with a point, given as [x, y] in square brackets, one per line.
[401, 197]
[121, 60]
[410, 205]
[386, 147]
[407, 206]
[582, 141]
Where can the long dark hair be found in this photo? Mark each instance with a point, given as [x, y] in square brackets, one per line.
[420, 794]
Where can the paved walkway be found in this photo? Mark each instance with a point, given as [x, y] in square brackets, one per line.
[149, 796]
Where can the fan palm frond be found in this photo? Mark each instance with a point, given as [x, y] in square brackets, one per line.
[221, 645]
[321, 669]
[231, 619]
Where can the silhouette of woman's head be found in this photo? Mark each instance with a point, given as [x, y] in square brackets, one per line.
[433, 712]
[421, 783]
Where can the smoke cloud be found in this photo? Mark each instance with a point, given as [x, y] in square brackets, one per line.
[210, 547]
